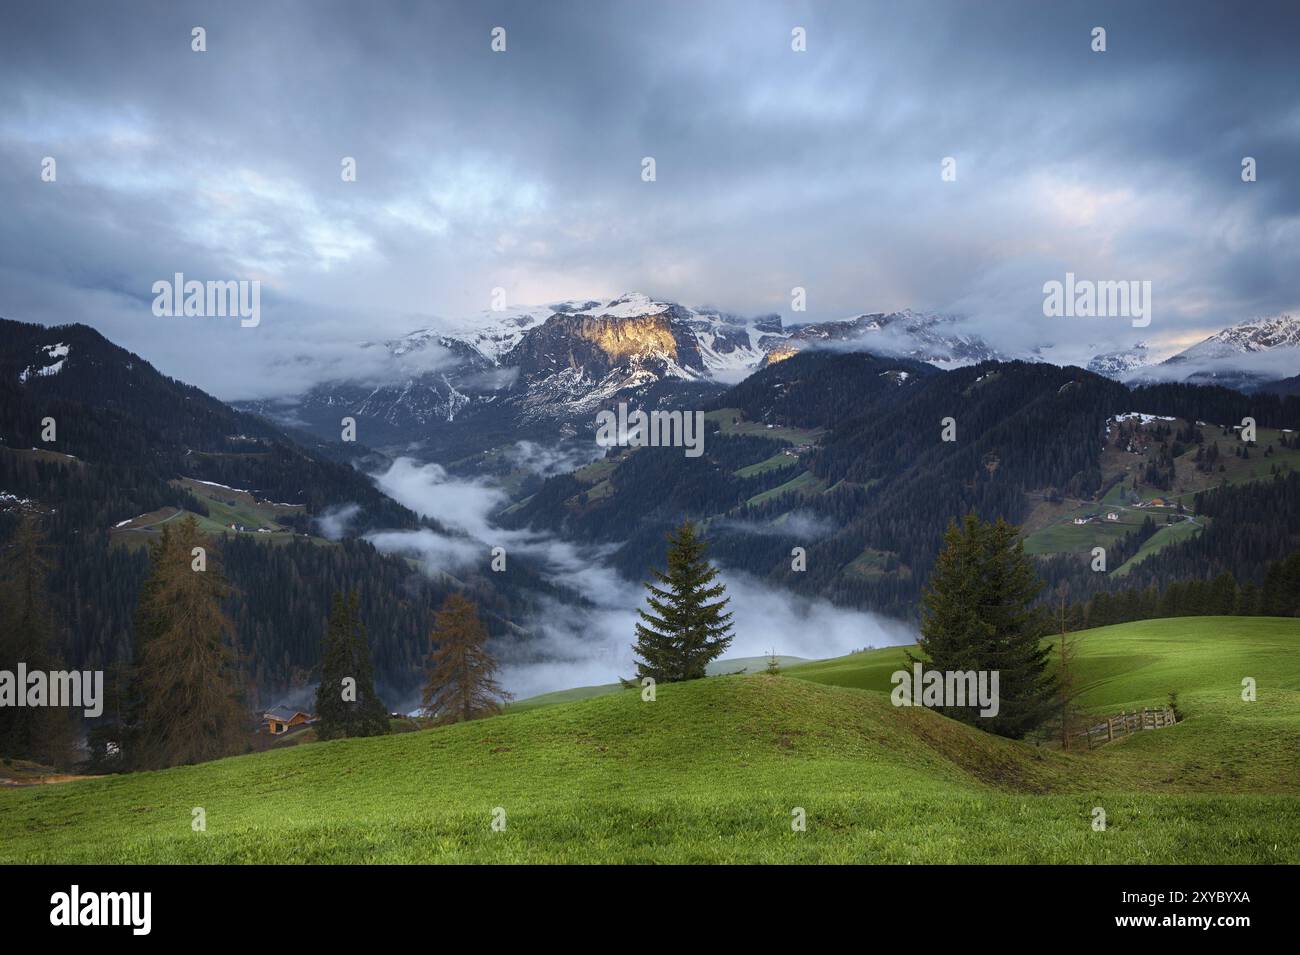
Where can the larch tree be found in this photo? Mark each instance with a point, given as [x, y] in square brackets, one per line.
[46, 734]
[461, 675]
[187, 706]
[685, 624]
[346, 701]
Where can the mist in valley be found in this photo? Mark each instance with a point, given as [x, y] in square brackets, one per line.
[574, 645]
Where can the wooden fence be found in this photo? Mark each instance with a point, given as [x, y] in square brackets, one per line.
[1127, 723]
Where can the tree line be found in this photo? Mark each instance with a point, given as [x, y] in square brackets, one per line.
[183, 696]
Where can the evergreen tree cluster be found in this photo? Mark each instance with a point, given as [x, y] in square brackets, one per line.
[977, 615]
[1218, 596]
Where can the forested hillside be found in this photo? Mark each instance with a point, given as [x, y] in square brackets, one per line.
[123, 435]
[844, 456]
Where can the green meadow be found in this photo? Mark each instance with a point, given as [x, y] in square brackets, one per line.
[717, 769]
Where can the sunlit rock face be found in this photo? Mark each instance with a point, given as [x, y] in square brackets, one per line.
[780, 353]
[631, 338]
[579, 361]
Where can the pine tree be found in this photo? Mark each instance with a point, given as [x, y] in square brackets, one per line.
[686, 626]
[953, 634]
[461, 682]
[977, 615]
[187, 707]
[346, 701]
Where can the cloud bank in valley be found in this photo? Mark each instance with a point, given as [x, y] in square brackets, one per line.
[582, 646]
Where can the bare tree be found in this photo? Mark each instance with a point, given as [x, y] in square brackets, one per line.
[188, 691]
[1065, 676]
[461, 683]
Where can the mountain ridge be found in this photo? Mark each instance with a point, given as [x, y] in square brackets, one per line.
[550, 367]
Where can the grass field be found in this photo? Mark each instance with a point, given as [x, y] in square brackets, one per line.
[732, 421]
[725, 666]
[712, 770]
[804, 483]
[226, 506]
[872, 564]
[775, 462]
[1068, 538]
[1167, 534]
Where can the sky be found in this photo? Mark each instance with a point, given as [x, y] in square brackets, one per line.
[523, 169]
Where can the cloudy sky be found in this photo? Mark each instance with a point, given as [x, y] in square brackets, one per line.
[523, 169]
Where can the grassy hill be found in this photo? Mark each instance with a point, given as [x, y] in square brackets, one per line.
[723, 667]
[711, 771]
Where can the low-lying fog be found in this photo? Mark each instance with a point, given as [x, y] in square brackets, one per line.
[578, 646]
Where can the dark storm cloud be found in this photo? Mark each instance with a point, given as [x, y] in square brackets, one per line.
[522, 169]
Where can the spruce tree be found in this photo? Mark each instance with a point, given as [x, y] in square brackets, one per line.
[685, 627]
[186, 696]
[953, 634]
[346, 701]
[461, 682]
[977, 615]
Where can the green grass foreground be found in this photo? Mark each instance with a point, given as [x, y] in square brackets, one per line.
[711, 771]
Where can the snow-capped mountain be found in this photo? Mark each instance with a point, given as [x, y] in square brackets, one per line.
[1249, 337]
[936, 339]
[1245, 356]
[697, 342]
[542, 366]
[1121, 364]
[490, 333]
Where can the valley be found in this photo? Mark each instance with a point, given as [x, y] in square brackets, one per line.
[825, 453]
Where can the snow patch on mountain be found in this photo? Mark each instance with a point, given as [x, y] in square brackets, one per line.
[56, 354]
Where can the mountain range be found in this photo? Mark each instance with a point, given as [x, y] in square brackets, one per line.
[465, 386]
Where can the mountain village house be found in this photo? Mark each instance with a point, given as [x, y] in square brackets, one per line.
[281, 719]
